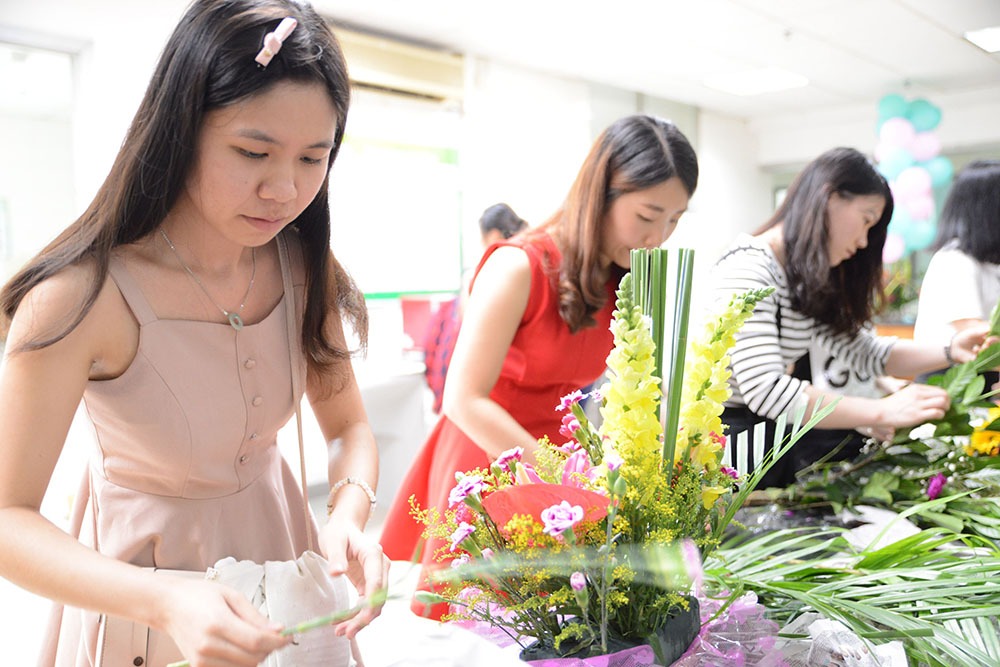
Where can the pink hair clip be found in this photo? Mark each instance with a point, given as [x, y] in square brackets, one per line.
[274, 40]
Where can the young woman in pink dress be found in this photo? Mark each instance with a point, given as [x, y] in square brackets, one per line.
[163, 307]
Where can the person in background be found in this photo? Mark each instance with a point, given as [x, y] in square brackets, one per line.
[962, 283]
[163, 307]
[497, 223]
[536, 325]
[822, 251]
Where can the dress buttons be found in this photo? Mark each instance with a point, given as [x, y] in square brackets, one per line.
[249, 363]
[243, 459]
[257, 400]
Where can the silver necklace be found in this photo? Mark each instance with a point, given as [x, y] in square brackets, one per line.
[235, 321]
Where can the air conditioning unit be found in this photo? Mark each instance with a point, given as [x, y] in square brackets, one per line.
[385, 64]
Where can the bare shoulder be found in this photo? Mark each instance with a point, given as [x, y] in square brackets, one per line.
[49, 313]
[507, 265]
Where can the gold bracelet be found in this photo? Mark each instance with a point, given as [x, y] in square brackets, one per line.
[350, 480]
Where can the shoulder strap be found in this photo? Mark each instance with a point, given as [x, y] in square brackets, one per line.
[293, 358]
[133, 296]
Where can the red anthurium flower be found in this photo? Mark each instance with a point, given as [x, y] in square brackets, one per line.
[532, 499]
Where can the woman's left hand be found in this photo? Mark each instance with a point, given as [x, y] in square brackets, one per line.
[351, 552]
[968, 342]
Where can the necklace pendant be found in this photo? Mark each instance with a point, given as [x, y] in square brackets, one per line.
[235, 321]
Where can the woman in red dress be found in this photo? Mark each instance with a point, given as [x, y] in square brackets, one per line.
[536, 325]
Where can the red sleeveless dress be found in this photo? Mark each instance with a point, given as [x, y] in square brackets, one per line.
[545, 362]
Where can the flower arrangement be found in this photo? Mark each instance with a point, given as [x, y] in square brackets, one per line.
[956, 458]
[594, 545]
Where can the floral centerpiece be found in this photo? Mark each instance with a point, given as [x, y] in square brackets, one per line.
[593, 545]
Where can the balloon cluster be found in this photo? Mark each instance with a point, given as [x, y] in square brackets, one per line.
[908, 156]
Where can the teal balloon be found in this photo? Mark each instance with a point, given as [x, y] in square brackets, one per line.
[920, 235]
[890, 106]
[924, 115]
[900, 222]
[941, 170]
[895, 162]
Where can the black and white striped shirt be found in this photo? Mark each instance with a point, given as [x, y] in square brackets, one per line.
[776, 335]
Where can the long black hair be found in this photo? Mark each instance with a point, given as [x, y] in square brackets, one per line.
[208, 63]
[971, 213]
[843, 297]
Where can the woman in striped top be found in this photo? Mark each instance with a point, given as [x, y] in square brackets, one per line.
[822, 251]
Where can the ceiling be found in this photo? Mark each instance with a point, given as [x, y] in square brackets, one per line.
[852, 51]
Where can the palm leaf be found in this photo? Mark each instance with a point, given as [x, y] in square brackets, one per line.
[935, 590]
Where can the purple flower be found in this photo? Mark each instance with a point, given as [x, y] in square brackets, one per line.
[570, 425]
[561, 517]
[596, 396]
[467, 486]
[613, 460]
[513, 454]
[461, 560]
[570, 399]
[732, 472]
[578, 581]
[463, 531]
[934, 485]
[487, 553]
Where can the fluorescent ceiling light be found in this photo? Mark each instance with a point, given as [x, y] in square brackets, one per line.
[988, 39]
[756, 81]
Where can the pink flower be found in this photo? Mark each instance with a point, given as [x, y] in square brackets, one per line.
[570, 425]
[578, 463]
[467, 486]
[461, 560]
[560, 518]
[513, 454]
[934, 485]
[613, 460]
[578, 581]
[487, 553]
[461, 533]
[730, 471]
[527, 475]
[569, 447]
[570, 399]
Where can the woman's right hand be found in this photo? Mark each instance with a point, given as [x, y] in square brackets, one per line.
[913, 405]
[215, 626]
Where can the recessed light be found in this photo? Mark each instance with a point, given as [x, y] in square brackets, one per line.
[756, 81]
[988, 39]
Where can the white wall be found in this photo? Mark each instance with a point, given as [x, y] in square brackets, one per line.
[969, 120]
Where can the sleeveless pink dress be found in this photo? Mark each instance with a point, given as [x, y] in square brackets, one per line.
[186, 468]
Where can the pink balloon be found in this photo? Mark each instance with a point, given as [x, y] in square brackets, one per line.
[893, 249]
[925, 145]
[912, 182]
[896, 133]
[920, 207]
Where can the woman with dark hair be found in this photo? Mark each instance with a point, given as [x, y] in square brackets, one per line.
[498, 223]
[962, 283]
[536, 323]
[165, 308]
[822, 251]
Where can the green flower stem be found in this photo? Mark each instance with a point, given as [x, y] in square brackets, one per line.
[377, 599]
[682, 309]
[657, 291]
